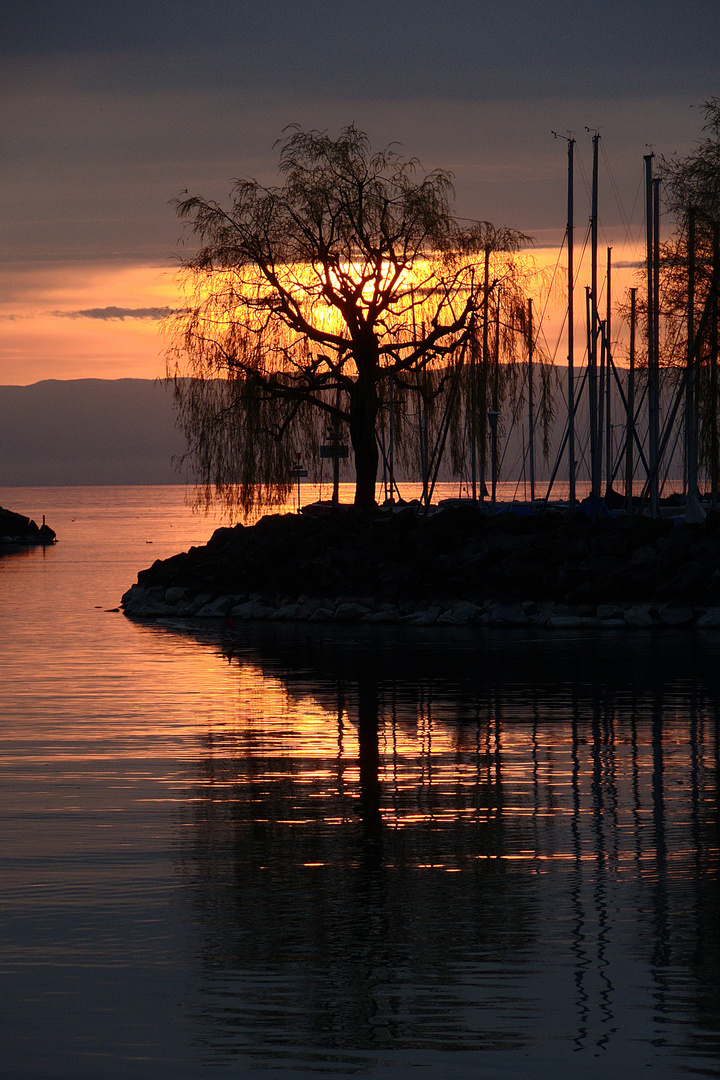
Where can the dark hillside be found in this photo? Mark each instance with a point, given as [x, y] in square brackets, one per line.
[88, 431]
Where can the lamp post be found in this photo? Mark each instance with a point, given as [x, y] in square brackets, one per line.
[493, 422]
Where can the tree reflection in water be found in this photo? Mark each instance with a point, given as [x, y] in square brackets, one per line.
[487, 843]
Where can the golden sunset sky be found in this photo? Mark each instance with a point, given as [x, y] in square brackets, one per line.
[110, 112]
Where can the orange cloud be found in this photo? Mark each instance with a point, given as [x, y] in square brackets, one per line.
[75, 321]
[72, 321]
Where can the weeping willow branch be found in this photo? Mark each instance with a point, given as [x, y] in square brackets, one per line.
[308, 304]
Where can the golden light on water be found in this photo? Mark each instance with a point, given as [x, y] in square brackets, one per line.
[547, 792]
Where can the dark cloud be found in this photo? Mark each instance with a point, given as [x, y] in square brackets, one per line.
[377, 49]
[109, 313]
[110, 110]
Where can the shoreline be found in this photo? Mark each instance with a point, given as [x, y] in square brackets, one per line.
[16, 530]
[455, 567]
[151, 604]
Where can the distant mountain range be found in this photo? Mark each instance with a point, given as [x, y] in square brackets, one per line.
[88, 431]
[110, 431]
[122, 431]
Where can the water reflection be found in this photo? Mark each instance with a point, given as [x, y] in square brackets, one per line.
[482, 843]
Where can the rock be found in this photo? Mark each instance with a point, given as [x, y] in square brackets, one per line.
[609, 611]
[18, 529]
[148, 603]
[388, 613]
[545, 612]
[155, 610]
[670, 615]
[252, 609]
[418, 618]
[285, 612]
[133, 595]
[639, 616]
[506, 615]
[688, 582]
[184, 610]
[464, 612]
[350, 612]
[706, 548]
[323, 614]
[427, 617]
[458, 566]
[381, 617]
[307, 608]
[448, 619]
[643, 558]
[569, 622]
[215, 608]
[201, 600]
[175, 594]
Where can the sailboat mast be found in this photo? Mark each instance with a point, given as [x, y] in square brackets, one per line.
[690, 442]
[630, 422]
[531, 417]
[714, 439]
[608, 387]
[473, 413]
[571, 320]
[592, 353]
[653, 380]
[484, 369]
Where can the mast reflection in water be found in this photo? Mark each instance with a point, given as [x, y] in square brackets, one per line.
[408, 850]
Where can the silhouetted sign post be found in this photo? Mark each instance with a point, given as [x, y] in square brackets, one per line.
[298, 473]
[335, 451]
[493, 415]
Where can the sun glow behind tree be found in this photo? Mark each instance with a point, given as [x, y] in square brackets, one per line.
[310, 305]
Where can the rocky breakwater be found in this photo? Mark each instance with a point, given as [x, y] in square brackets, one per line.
[16, 529]
[455, 566]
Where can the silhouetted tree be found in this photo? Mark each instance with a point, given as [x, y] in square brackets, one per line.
[692, 186]
[310, 303]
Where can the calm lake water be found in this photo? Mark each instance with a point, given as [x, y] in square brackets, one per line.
[301, 851]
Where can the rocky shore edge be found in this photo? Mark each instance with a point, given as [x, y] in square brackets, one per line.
[17, 529]
[173, 603]
[458, 567]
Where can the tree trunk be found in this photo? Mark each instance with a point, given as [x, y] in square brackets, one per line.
[364, 407]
